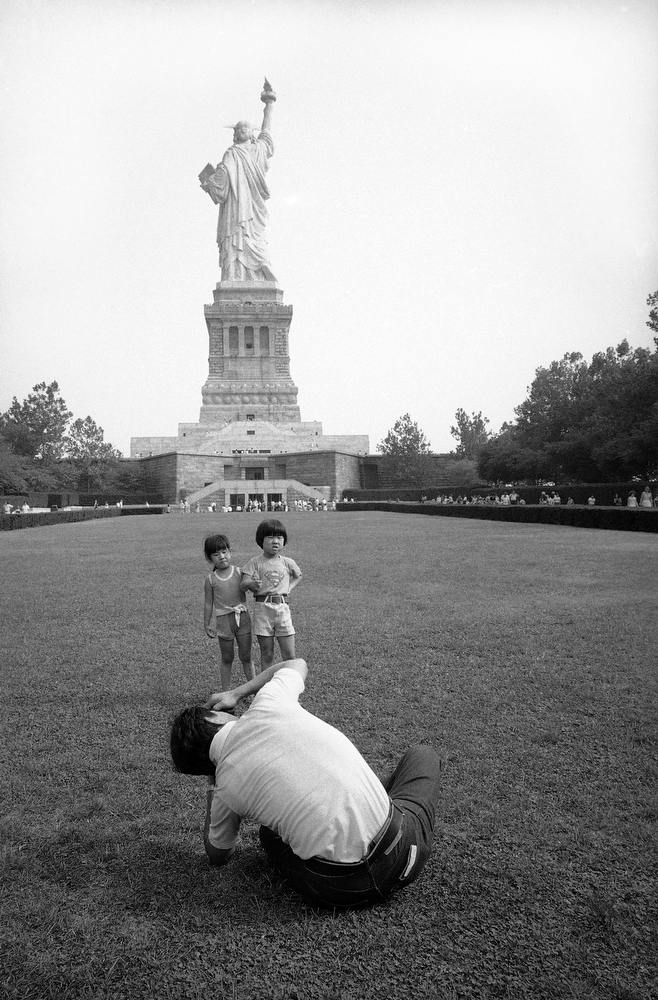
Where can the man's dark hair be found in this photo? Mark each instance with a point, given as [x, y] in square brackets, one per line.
[192, 732]
[271, 527]
[215, 543]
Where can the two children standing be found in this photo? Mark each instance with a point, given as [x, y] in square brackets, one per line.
[270, 577]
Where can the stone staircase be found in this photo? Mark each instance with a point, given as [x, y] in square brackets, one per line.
[290, 489]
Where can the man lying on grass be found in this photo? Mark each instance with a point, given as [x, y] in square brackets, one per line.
[340, 836]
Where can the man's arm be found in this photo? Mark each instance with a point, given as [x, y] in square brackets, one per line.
[216, 855]
[224, 701]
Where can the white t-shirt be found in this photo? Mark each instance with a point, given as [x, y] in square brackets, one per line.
[295, 774]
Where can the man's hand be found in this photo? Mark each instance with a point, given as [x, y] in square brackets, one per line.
[222, 701]
[225, 701]
[210, 632]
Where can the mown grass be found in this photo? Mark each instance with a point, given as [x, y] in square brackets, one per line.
[525, 654]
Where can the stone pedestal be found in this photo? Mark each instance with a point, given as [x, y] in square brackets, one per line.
[249, 361]
[249, 401]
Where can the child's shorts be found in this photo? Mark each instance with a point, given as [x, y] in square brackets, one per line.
[272, 619]
[226, 627]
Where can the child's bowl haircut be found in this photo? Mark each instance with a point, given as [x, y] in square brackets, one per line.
[271, 527]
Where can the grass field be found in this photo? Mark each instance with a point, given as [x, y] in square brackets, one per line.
[525, 654]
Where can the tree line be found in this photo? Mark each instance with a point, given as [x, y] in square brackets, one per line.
[581, 422]
[43, 449]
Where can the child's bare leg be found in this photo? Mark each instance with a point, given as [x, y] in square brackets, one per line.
[226, 648]
[266, 643]
[287, 647]
[244, 652]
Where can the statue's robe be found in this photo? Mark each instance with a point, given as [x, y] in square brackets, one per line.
[238, 186]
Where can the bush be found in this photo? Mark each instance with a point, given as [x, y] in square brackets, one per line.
[613, 518]
[155, 509]
[412, 494]
[11, 522]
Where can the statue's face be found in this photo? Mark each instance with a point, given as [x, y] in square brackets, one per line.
[242, 132]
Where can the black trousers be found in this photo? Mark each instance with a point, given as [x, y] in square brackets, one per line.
[395, 858]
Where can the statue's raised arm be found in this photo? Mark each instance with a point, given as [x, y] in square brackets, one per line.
[238, 186]
[268, 97]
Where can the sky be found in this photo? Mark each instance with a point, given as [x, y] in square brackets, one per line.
[462, 191]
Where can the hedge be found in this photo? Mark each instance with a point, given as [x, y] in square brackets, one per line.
[612, 518]
[162, 508]
[12, 522]
[579, 492]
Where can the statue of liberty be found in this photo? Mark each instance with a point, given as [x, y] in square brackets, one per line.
[239, 187]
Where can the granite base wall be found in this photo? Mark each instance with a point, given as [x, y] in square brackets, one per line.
[176, 474]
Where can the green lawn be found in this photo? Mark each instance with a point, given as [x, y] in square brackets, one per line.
[525, 654]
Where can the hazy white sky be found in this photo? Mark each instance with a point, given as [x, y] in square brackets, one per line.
[462, 191]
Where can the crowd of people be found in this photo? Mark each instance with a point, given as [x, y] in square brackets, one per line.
[506, 499]
[298, 505]
[23, 508]
[645, 499]
[462, 498]
[552, 498]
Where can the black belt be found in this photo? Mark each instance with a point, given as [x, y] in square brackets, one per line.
[271, 598]
[385, 839]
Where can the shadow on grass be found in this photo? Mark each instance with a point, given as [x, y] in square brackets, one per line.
[169, 882]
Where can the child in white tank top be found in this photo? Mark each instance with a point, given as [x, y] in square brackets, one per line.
[225, 602]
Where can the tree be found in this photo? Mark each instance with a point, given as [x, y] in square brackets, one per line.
[623, 423]
[35, 428]
[129, 477]
[92, 459]
[13, 472]
[504, 459]
[84, 442]
[44, 451]
[461, 472]
[404, 445]
[588, 423]
[554, 401]
[652, 322]
[19, 474]
[405, 438]
[471, 432]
